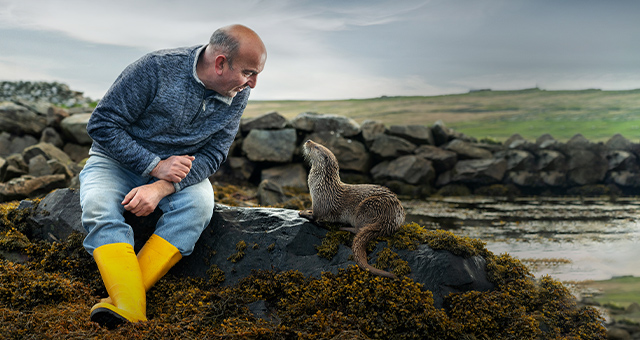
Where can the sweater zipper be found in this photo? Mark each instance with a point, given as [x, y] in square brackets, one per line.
[201, 109]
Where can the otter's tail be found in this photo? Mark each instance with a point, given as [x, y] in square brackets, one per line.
[367, 234]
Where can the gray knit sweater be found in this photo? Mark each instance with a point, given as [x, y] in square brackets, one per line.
[157, 108]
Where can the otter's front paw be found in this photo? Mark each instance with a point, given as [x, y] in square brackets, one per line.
[308, 214]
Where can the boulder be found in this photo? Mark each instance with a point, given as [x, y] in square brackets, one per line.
[466, 150]
[289, 175]
[351, 154]
[442, 160]
[315, 122]
[443, 134]
[546, 141]
[553, 178]
[409, 169]
[618, 142]
[417, 134]
[76, 152]
[385, 146]
[621, 160]
[11, 144]
[49, 151]
[370, 129]
[74, 127]
[270, 193]
[51, 136]
[240, 240]
[55, 115]
[268, 121]
[585, 167]
[518, 160]
[19, 120]
[270, 145]
[625, 178]
[30, 187]
[525, 179]
[234, 170]
[551, 160]
[479, 171]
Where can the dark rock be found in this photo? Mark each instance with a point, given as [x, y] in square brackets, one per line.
[442, 160]
[370, 129]
[442, 134]
[51, 136]
[314, 122]
[479, 171]
[49, 151]
[578, 142]
[546, 141]
[10, 144]
[270, 145]
[76, 152]
[621, 160]
[525, 179]
[289, 175]
[625, 178]
[615, 333]
[74, 127]
[3, 168]
[585, 167]
[410, 169]
[386, 146]
[417, 134]
[618, 142]
[268, 121]
[19, 120]
[466, 150]
[519, 160]
[553, 178]
[270, 193]
[30, 187]
[234, 170]
[55, 115]
[551, 160]
[240, 240]
[38, 166]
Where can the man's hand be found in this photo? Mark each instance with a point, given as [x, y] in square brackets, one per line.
[143, 200]
[173, 169]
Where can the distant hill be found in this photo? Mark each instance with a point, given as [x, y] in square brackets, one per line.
[596, 114]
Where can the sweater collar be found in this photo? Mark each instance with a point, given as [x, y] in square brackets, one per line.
[219, 97]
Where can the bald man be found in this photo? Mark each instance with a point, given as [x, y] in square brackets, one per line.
[160, 131]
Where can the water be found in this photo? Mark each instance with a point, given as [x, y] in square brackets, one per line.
[568, 239]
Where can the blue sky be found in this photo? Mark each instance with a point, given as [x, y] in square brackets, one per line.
[339, 49]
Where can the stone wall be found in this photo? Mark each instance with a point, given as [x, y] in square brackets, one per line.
[42, 148]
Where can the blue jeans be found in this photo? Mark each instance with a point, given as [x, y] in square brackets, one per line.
[103, 185]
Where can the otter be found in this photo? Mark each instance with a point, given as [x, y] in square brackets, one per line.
[371, 210]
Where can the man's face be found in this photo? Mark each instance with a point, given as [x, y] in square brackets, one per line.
[242, 72]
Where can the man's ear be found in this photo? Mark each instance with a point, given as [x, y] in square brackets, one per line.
[220, 63]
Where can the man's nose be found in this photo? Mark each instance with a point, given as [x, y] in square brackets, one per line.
[253, 80]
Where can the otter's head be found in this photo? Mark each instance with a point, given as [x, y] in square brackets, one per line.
[319, 156]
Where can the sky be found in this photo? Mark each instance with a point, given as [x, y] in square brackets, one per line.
[341, 49]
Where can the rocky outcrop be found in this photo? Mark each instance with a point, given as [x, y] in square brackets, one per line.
[240, 240]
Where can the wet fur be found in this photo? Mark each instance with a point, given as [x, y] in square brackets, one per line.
[371, 210]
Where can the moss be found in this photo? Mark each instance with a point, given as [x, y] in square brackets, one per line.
[331, 243]
[241, 246]
[50, 297]
[388, 259]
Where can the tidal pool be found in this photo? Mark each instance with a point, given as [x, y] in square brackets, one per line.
[570, 239]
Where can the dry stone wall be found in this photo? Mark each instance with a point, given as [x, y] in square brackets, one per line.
[42, 147]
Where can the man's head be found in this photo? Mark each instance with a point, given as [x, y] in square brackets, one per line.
[232, 60]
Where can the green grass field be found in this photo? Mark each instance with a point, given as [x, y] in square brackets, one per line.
[597, 115]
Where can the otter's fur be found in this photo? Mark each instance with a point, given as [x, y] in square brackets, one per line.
[370, 210]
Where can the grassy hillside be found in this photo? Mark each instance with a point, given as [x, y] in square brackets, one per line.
[596, 114]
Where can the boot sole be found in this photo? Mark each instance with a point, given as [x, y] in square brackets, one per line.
[107, 318]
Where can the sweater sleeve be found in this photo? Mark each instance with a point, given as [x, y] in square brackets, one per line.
[121, 106]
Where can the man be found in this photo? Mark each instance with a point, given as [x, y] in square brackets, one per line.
[161, 130]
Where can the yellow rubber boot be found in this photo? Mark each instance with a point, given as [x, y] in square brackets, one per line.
[122, 277]
[155, 258]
